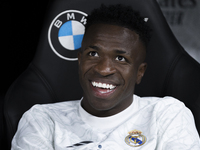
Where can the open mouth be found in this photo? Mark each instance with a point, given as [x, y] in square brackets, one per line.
[103, 85]
[103, 90]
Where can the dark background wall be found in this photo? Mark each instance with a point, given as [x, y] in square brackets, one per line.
[20, 26]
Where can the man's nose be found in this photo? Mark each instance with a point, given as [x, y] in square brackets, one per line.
[105, 67]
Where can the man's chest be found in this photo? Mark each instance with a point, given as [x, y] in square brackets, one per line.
[131, 135]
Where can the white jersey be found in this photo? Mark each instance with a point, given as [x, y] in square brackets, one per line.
[147, 124]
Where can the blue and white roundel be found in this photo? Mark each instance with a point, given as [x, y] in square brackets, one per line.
[70, 35]
[66, 33]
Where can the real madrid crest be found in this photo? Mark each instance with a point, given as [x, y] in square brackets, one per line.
[66, 33]
[135, 138]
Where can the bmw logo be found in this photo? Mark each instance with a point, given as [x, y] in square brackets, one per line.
[66, 33]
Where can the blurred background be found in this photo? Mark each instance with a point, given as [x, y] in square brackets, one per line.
[183, 16]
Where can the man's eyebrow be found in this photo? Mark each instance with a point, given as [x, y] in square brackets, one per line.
[94, 47]
[120, 51]
[115, 50]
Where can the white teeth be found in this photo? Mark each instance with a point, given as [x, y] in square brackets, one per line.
[103, 85]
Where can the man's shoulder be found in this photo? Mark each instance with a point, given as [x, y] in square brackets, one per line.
[163, 109]
[160, 102]
[166, 99]
[61, 107]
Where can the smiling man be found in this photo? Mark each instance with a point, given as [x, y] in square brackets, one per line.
[111, 63]
[110, 116]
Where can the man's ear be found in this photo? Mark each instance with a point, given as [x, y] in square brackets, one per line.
[141, 70]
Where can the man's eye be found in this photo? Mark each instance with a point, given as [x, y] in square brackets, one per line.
[120, 58]
[93, 53]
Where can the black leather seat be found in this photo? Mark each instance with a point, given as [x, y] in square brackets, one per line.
[53, 74]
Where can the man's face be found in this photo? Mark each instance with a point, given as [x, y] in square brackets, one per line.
[110, 64]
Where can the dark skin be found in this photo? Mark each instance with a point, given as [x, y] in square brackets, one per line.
[111, 55]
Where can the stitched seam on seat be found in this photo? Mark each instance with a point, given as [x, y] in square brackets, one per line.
[170, 71]
[44, 81]
[6, 115]
[7, 97]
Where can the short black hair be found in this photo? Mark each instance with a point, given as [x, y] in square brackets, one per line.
[123, 16]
